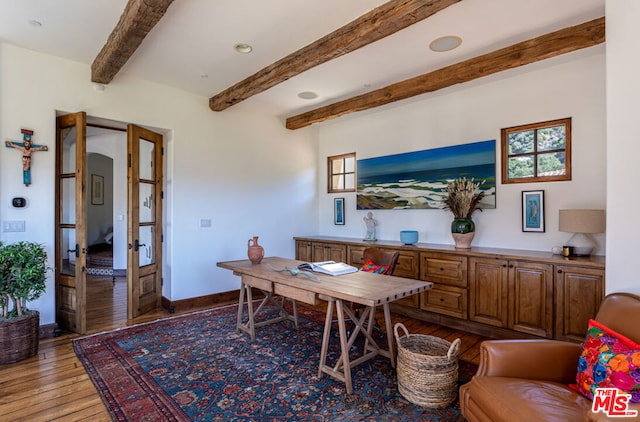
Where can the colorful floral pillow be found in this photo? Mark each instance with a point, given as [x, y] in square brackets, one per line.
[608, 360]
[370, 267]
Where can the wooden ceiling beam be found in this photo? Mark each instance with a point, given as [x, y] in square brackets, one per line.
[544, 47]
[380, 22]
[137, 20]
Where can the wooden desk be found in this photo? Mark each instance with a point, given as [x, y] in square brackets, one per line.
[370, 290]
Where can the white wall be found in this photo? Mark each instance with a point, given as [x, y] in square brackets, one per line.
[240, 168]
[623, 145]
[572, 85]
[99, 216]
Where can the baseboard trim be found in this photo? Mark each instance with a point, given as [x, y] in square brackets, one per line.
[217, 299]
[49, 330]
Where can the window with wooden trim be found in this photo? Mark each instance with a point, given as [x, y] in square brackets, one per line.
[342, 173]
[537, 152]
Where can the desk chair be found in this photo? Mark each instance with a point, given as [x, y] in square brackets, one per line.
[375, 260]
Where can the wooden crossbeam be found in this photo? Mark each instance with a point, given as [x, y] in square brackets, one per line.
[544, 47]
[380, 22]
[137, 20]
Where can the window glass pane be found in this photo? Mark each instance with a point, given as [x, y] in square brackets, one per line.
[146, 211]
[68, 252]
[337, 166]
[350, 181]
[68, 200]
[521, 142]
[552, 138]
[338, 182]
[146, 247]
[520, 167]
[350, 165]
[552, 164]
[146, 159]
[69, 150]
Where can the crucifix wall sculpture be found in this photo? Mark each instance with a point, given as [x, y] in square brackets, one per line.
[27, 148]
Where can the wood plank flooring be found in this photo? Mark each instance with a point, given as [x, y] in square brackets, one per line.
[53, 385]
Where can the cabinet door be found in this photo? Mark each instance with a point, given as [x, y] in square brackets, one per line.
[488, 291]
[303, 250]
[355, 255]
[579, 292]
[531, 298]
[329, 252]
[408, 266]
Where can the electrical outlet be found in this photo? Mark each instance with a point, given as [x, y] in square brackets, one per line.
[13, 226]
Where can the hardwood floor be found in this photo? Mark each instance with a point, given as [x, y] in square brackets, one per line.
[53, 385]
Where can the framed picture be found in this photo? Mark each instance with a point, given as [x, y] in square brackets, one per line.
[338, 211]
[97, 190]
[533, 211]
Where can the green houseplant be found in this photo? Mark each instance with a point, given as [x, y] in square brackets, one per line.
[462, 197]
[22, 279]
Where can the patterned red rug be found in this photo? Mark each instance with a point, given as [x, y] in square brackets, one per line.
[197, 367]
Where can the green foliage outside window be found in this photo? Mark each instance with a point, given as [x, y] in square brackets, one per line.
[537, 152]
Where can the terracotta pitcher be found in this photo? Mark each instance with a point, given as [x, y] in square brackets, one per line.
[255, 251]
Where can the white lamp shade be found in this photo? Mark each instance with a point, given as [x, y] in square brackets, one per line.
[582, 221]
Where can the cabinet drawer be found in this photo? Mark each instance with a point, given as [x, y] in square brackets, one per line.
[445, 300]
[445, 269]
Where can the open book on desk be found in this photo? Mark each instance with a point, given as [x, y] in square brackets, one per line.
[328, 267]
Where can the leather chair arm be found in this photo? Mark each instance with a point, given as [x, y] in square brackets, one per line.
[548, 360]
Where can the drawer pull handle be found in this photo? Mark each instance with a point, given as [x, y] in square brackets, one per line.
[441, 299]
[441, 269]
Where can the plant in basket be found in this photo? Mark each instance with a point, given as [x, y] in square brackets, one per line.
[22, 279]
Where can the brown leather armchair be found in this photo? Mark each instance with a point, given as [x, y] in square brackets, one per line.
[527, 380]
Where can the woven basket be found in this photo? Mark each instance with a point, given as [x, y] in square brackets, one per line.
[427, 368]
[19, 338]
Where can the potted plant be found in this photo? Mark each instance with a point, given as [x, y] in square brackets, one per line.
[462, 197]
[22, 279]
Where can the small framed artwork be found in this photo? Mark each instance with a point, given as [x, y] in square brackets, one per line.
[533, 211]
[338, 211]
[97, 190]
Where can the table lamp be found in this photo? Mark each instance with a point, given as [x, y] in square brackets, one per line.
[582, 223]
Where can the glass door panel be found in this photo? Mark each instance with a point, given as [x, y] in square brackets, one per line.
[147, 211]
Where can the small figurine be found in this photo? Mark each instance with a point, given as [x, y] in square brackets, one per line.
[371, 227]
[27, 149]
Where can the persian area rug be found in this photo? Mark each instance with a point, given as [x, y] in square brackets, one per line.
[197, 367]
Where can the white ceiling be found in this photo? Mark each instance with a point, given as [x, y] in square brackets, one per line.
[196, 37]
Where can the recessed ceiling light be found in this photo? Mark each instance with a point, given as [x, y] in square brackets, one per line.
[446, 43]
[307, 95]
[243, 48]
[35, 23]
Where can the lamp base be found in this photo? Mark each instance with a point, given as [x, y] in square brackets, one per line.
[582, 244]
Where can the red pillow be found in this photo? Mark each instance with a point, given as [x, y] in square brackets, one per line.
[370, 267]
[608, 360]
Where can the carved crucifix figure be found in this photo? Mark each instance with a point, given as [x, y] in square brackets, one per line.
[27, 149]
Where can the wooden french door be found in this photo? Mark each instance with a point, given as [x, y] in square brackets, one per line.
[71, 220]
[144, 228]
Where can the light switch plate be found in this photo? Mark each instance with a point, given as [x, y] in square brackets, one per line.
[13, 226]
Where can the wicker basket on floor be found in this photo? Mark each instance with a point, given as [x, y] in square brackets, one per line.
[427, 368]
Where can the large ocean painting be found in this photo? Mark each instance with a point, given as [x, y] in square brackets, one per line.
[415, 180]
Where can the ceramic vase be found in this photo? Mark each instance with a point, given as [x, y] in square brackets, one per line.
[463, 230]
[255, 252]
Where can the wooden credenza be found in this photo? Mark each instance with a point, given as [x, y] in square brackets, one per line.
[500, 293]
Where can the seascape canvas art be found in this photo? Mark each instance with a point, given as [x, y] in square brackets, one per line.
[416, 180]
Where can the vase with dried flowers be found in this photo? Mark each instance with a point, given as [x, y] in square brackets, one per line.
[462, 197]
